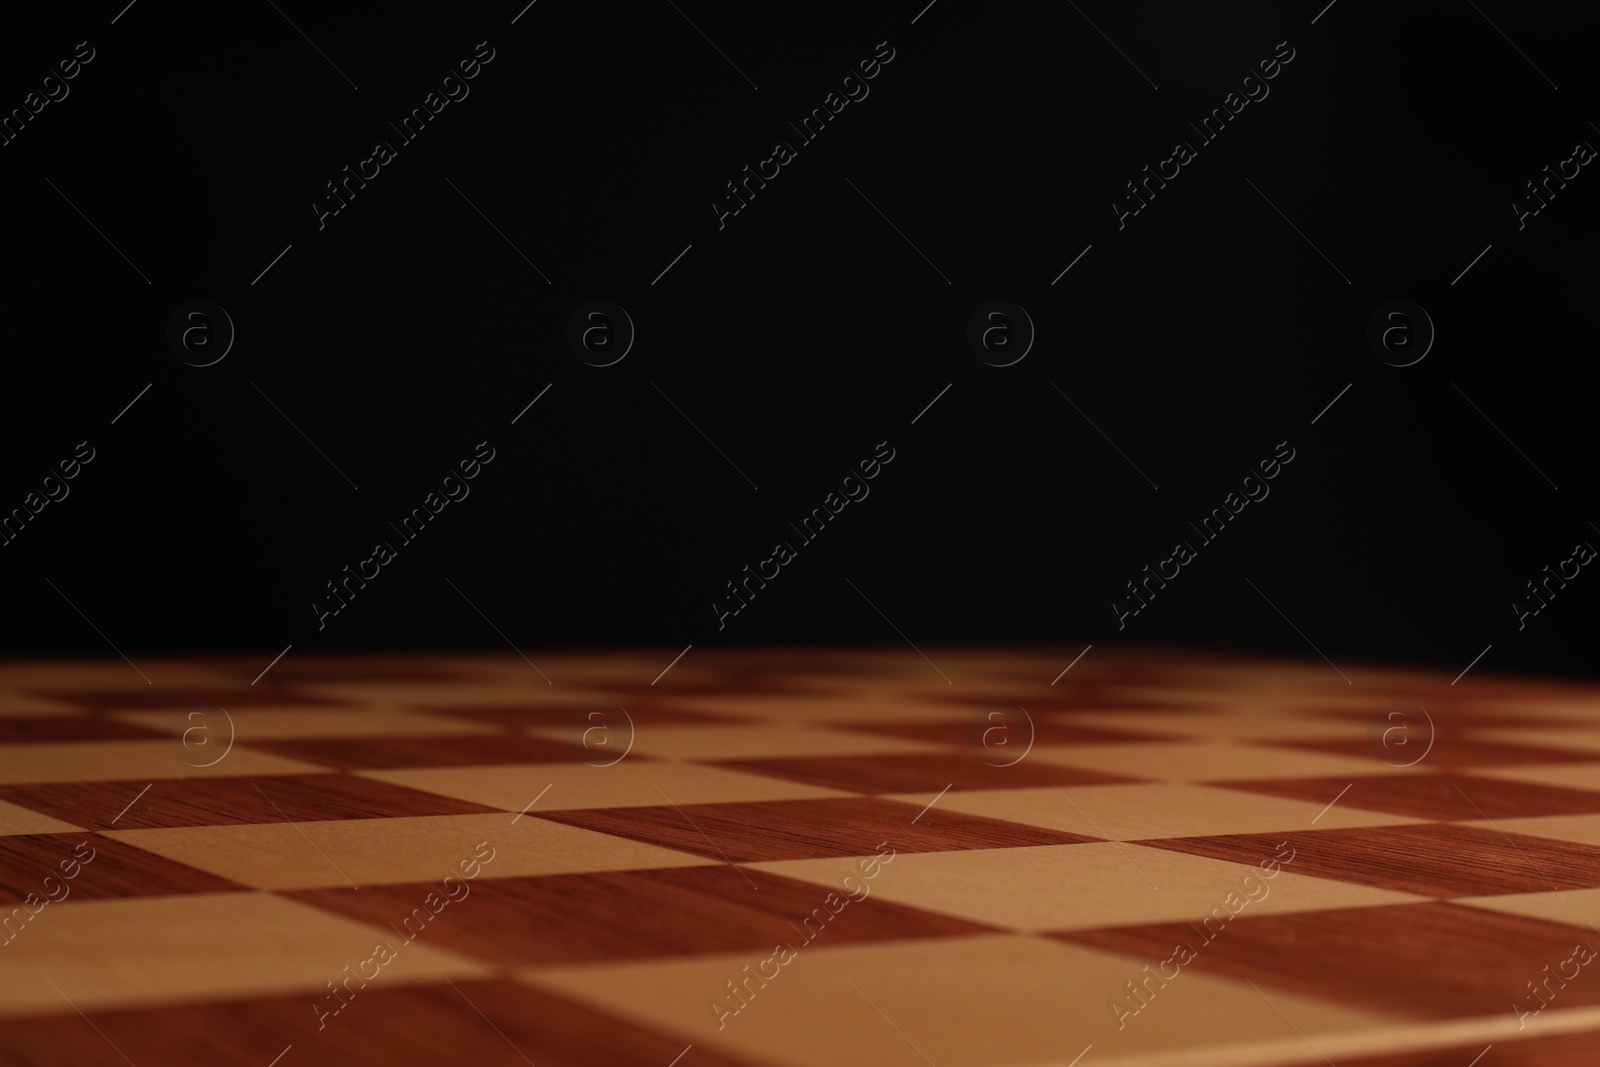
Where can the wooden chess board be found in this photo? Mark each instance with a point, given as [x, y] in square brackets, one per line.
[795, 857]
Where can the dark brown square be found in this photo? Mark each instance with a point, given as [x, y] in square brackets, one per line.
[576, 720]
[139, 698]
[1423, 961]
[1448, 752]
[114, 870]
[806, 829]
[1553, 1050]
[919, 773]
[975, 735]
[1092, 698]
[1436, 860]
[631, 915]
[377, 753]
[56, 728]
[1442, 798]
[222, 801]
[490, 1023]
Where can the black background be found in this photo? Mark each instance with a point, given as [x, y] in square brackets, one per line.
[806, 331]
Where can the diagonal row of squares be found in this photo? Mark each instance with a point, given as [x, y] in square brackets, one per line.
[630, 895]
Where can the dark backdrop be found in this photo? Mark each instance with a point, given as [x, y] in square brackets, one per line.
[781, 349]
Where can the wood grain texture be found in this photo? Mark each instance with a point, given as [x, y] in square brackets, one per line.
[805, 829]
[590, 918]
[1424, 961]
[575, 718]
[971, 734]
[1452, 752]
[374, 753]
[223, 801]
[1433, 860]
[117, 870]
[1003, 904]
[1442, 798]
[918, 773]
[495, 1022]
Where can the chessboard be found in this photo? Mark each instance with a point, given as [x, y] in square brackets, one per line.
[795, 858]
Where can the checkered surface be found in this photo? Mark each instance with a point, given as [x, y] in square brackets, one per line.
[791, 858]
